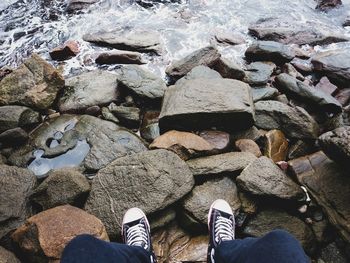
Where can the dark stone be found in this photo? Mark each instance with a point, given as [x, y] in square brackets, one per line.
[264, 93]
[119, 57]
[268, 220]
[326, 5]
[134, 40]
[259, 73]
[229, 69]
[226, 163]
[75, 5]
[128, 116]
[328, 184]
[252, 133]
[35, 83]
[262, 177]
[149, 127]
[205, 103]
[269, 51]
[206, 56]
[336, 144]
[17, 116]
[301, 148]
[347, 21]
[160, 177]
[143, 85]
[295, 122]
[198, 202]
[13, 137]
[332, 253]
[88, 89]
[334, 64]
[298, 32]
[343, 96]
[66, 51]
[298, 89]
[16, 184]
[61, 187]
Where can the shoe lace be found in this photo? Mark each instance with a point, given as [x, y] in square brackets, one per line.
[137, 236]
[223, 229]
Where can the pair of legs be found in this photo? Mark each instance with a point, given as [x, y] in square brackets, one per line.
[276, 247]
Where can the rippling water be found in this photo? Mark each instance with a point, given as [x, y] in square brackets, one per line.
[40, 25]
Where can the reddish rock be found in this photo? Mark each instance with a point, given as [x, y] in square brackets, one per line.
[184, 144]
[247, 145]
[219, 140]
[46, 234]
[325, 85]
[343, 96]
[66, 51]
[276, 145]
[326, 5]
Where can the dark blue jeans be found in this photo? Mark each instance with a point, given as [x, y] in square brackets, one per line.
[276, 247]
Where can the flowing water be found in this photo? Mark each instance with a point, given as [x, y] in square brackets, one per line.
[39, 25]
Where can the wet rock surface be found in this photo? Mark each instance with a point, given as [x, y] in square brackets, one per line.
[44, 236]
[34, 84]
[204, 103]
[66, 51]
[276, 145]
[160, 177]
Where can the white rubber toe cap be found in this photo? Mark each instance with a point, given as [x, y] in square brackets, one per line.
[133, 214]
[222, 205]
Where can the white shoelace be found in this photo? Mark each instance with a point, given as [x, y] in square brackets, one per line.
[137, 236]
[223, 229]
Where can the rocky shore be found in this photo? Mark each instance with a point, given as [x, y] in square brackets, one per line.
[271, 136]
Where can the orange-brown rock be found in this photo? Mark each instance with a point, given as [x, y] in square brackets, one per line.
[44, 236]
[184, 144]
[173, 245]
[247, 145]
[276, 145]
[66, 51]
[218, 139]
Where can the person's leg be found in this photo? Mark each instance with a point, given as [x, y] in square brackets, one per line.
[275, 247]
[88, 249]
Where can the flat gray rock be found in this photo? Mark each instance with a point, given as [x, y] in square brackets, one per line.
[198, 202]
[227, 163]
[151, 181]
[88, 89]
[258, 73]
[334, 64]
[293, 87]
[200, 72]
[206, 56]
[295, 122]
[263, 177]
[299, 32]
[264, 93]
[204, 103]
[133, 40]
[270, 51]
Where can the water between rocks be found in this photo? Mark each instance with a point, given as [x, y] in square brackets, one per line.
[40, 25]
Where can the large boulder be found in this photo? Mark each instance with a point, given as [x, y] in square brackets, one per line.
[17, 116]
[76, 140]
[270, 51]
[335, 64]
[197, 203]
[295, 122]
[293, 87]
[184, 144]
[268, 220]
[298, 32]
[143, 85]
[133, 40]
[262, 177]
[88, 89]
[226, 163]
[34, 84]
[63, 186]
[206, 56]
[206, 103]
[150, 180]
[336, 144]
[329, 185]
[16, 185]
[44, 236]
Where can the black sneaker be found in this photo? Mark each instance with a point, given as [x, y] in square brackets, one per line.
[136, 231]
[221, 224]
